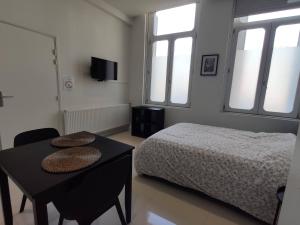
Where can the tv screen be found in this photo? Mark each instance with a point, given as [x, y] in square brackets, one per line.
[102, 69]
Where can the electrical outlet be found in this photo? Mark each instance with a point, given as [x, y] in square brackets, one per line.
[68, 82]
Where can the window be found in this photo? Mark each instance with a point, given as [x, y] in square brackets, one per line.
[159, 71]
[285, 60]
[265, 65]
[270, 16]
[246, 68]
[170, 49]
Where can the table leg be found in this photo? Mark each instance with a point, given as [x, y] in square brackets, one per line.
[40, 213]
[128, 194]
[5, 196]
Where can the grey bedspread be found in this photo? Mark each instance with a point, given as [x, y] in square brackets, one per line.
[241, 168]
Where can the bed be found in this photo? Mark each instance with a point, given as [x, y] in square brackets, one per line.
[241, 168]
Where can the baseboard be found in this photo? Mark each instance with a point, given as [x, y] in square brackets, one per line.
[112, 131]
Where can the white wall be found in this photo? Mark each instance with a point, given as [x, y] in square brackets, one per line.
[290, 208]
[207, 94]
[82, 31]
[137, 63]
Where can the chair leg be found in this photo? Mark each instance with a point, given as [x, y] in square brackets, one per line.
[120, 212]
[23, 203]
[61, 220]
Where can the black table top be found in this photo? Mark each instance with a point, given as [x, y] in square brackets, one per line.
[23, 165]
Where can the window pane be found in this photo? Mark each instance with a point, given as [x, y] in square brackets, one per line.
[181, 70]
[175, 20]
[284, 70]
[159, 71]
[246, 68]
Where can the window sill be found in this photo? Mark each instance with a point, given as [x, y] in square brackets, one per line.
[168, 106]
[261, 116]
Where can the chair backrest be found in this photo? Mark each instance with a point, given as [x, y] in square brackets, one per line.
[32, 136]
[88, 198]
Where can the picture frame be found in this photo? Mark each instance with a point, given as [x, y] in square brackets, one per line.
[209, 65]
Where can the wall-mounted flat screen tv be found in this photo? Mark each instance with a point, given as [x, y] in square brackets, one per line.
[102, 69]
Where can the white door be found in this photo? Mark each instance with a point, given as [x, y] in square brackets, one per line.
[28, 76]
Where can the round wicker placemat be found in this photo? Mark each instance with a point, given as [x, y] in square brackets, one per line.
[73, 140]
[71, 159]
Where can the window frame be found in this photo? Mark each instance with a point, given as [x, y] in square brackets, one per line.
[295, 111]
[270, 27]
[171, 38]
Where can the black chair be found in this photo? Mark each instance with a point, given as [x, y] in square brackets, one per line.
[87, 199]
[30, 137]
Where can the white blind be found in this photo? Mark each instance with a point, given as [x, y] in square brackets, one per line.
[251, 7]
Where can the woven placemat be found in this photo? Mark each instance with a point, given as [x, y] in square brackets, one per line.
[71, 159]
[73, 140]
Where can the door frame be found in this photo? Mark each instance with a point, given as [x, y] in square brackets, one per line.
[55, 53]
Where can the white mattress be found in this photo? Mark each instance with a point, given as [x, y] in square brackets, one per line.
[241, 168]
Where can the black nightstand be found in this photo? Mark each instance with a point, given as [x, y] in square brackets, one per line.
[147, 120]
[279, 195]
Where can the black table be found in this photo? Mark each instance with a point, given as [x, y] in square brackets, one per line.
[23, 166]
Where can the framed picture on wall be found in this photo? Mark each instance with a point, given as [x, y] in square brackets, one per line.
[209, 66]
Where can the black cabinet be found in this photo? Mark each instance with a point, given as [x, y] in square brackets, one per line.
[147, 121]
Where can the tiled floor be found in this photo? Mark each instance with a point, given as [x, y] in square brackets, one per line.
[154, 203]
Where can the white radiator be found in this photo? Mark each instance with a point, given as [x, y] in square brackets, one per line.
[96, 119]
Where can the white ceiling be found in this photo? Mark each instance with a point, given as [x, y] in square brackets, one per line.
[139, 7]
